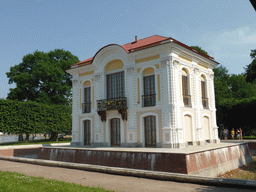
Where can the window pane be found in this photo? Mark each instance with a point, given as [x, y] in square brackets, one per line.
[115, 85]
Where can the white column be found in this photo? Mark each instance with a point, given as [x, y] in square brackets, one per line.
[213, 109]
[197, 105]
[75, 111]
[165, 75]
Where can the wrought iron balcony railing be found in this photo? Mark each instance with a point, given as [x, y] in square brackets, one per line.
[86, 107]
[205, 103]
[187, 100]
[110, 104]
[148, 100]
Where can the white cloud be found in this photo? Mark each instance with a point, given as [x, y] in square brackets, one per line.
[231, 48]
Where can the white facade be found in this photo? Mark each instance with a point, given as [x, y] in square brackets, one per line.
[176, 125]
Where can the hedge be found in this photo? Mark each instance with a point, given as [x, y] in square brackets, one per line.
[30, 117]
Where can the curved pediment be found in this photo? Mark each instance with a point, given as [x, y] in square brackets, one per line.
[109, 53]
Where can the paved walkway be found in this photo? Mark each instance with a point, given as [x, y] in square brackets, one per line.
[107, 181]
[186, 150]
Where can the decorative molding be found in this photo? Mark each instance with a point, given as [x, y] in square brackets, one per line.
[97, 77]
[175, 63]
[130, 69]
[196, 70]
[164, 63]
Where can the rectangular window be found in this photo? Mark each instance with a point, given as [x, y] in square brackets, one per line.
[203, 89]
[149, 97]
[186, 96]
[86, 107]
[204, 99]
[149, 85]
[115, 85]
[185, 85]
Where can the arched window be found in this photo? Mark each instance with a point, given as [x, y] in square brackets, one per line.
[86, 106]
[203, 90]
[149, 97]
[185, 88]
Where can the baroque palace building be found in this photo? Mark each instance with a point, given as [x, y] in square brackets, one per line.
[152, 92]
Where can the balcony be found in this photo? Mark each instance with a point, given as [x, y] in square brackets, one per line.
[148, 100]
[205, 103]
[187, 100]
[119, 104]
[86, 107]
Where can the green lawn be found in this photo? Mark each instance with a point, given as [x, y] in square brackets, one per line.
[43, 141]
[20, 182]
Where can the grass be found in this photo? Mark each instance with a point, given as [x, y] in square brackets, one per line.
[247, 172]
[13, 182]
[42, 141]
[249, 137]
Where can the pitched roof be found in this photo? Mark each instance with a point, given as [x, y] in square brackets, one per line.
[142, 44]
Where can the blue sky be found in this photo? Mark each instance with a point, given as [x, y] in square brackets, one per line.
[225, 29]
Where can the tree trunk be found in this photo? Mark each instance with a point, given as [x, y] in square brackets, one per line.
[57, 137]
[27, 137]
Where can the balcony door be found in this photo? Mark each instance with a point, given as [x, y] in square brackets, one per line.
[115, 131]
[150, 131]
[87, 132]
[115, 85]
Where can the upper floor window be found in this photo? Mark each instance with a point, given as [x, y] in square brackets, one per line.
[115, 85]
[203, 91]
[86, 106]
[149, 97]
[185, 88]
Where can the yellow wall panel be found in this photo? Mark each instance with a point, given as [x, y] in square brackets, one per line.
[93, 97]
[185, 59]
[115, 64]
[87, 83]
[138, 86]
[202, 66]
[148, 70]
[158, 81]
[147, 59]
[80, 100]
[86, 73]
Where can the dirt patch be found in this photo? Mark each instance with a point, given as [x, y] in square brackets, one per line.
[247, 172]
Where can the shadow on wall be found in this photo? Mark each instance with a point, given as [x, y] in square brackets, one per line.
[28, 152]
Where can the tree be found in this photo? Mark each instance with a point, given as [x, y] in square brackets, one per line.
[251, 68]
[199, 49]
[221, 83]
[240, 89]
[41, 77]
